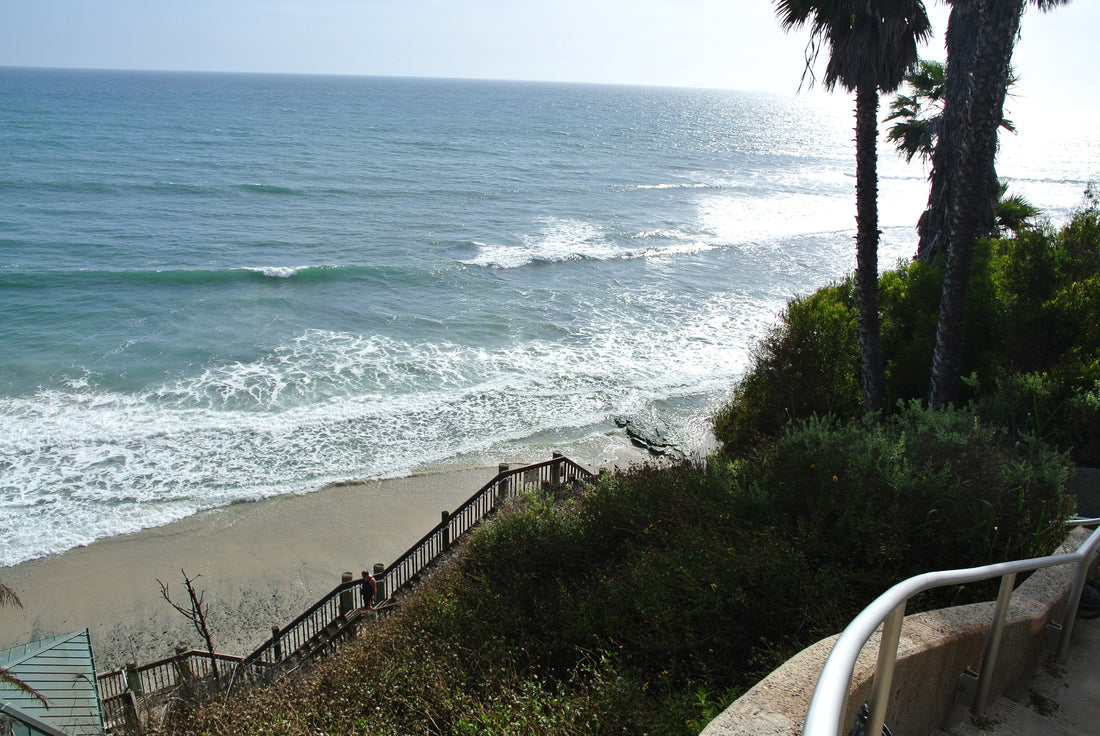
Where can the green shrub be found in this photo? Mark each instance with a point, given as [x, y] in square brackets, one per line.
[919, 491]
[1033, 310]
[909, 306]
[806, 365]
[1048, 291]
[646, 602]
[1063, 411]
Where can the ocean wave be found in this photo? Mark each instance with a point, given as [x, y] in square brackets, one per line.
[16, 187]
[677, 185]
[278, 272]
[15, 277]
[259, 188]
[575, 240]
[327, 406]
[678, 249]
[558, 240]
[173, 188]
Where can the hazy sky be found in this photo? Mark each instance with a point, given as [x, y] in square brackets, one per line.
[734, 44]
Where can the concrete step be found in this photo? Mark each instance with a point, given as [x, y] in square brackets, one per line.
[1007, 718]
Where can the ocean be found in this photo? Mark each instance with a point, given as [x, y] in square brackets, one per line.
[217, 288]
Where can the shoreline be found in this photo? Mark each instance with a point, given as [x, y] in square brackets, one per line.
[260, 563]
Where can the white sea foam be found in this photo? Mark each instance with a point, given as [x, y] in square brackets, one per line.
[556, 240]
[277, 272]
[668, 233]
[678, 249]
[327, 406]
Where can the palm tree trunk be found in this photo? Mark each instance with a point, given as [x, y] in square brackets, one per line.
[975, 191]
[962, 35]
[870, 339]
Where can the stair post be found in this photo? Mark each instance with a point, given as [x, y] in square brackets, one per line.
[502, 487]
[555, 469]
[346, 596]
[130, 714]
[183, 667]
[446, 526]
[129, 698]
[379, 582]
[276, 644]
[133, 680]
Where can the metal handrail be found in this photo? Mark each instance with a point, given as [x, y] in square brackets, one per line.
[829, 703]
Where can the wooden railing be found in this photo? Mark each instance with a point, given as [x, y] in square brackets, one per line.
[335, 616]
[288, 642]
[121, 690]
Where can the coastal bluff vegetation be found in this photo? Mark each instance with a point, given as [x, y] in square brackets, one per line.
[647, 600]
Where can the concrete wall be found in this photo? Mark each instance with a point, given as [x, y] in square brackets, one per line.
[935, 648]
[1085, 488]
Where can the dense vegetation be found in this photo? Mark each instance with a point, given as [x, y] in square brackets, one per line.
[1032, 344]
[647, 601]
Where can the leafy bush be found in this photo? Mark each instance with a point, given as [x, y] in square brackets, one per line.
[648, 601]
[1064, 412]
[806, 365]
[909, 306]
[920, 491]
[1048, 287]
[1033, 316]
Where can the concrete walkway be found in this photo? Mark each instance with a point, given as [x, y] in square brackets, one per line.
[1062, 698]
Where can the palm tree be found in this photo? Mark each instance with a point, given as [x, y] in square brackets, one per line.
[963, 27]
[918, 117]
[873, 43]
[975, 189]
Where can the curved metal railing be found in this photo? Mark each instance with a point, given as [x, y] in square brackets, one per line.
[829, 703]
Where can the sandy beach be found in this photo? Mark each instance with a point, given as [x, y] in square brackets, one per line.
[261, 564]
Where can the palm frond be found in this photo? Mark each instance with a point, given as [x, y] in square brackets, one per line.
[8, 597]
[912, 137]
[1013, 213]
[8, 678]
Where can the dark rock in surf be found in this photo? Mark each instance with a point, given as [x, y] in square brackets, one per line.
[651, 435]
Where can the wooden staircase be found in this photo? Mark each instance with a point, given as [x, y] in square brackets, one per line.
[332, 620]
[326, 640]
